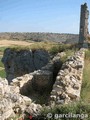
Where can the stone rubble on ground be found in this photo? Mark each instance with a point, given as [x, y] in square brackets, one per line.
[12, 103]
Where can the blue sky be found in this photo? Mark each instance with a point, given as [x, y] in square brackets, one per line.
[60, 16]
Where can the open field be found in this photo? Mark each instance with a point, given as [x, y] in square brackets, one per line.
[4, 43]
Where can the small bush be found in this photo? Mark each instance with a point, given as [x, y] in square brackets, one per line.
[68, 53]
[54, 50]
[62, 47]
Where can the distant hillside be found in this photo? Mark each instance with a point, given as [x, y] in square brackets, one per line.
[57, 37]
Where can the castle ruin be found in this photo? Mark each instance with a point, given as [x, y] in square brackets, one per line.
[83, 34]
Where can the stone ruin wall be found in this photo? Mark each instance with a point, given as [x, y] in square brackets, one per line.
[68, 83]
[84, 32]
[67, 86]
[12, 103]
[39, 81]
[21, 62]
[66, 89]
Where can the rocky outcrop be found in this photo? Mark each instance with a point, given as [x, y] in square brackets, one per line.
[18, 63]
[67, 86]
[12, 103]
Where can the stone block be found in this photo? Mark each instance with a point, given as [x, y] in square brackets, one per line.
[42, 80]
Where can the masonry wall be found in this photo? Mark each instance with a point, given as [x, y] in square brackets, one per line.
[69, 80]
[83, 24]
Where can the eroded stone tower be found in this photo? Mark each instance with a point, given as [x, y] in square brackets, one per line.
[83, 24]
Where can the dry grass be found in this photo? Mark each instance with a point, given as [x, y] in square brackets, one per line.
[51, 47]
[7, 43]
[37, 45]
[85, 93]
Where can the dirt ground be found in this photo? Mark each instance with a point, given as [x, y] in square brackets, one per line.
[11, 42]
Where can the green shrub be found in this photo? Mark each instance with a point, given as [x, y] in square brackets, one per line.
[1, 64]
[62, 47]
[2, 73]
[54, 50]
[68, 54]
[74, 108]
[2, 49]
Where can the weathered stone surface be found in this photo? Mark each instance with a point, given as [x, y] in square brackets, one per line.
[68, 82]
[34, 109]
[18, 63]
[6, 110]
[41, 58]
[20, 81]
[48, 67]
[62, 54]
[39, 81]
[42, 80]
[73, 93]
[83, 34]
[12, 103]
